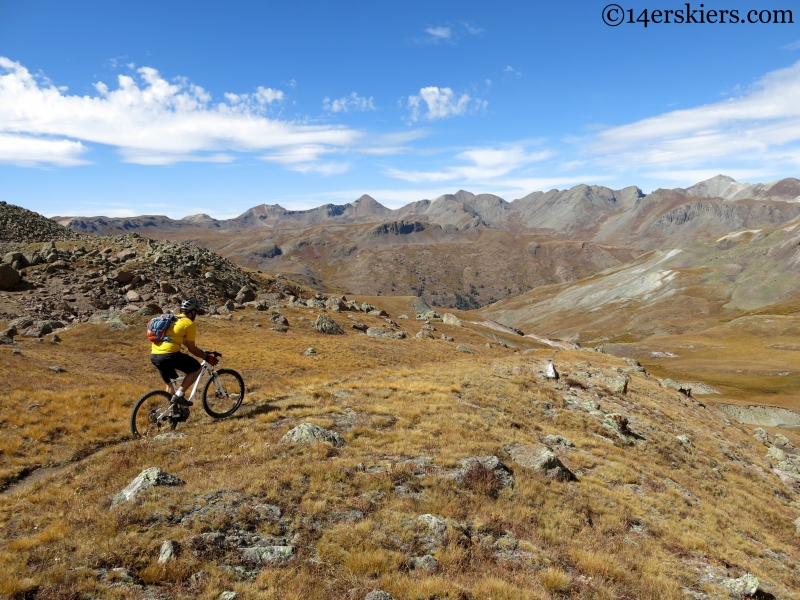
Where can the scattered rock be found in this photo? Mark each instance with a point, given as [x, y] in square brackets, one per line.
[447, 338]
[505, 477]
[683, 439]
[378, 595]
[169, 551]
[360, 327]
[744, 587]
[325, 324]
[424, 563]
[427, 335]
[761, 435]
[451, 319]
[308, 352]
[463, 348]
[308, 433]
[54, 339]
[58, 369]
[228, 595]
[541, 459]
[268, 555]
[146, 479]
[550, 371]
[9, 278]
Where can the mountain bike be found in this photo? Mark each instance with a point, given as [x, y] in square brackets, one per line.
[222, 396]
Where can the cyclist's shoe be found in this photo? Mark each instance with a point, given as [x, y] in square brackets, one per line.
[181, 401]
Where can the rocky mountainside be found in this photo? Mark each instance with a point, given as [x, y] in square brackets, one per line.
[74, 277]
[667, 291]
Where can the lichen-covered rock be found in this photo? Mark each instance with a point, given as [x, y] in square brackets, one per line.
[148, 478]
[465, 349]
[308, 433]
[378, 595]
[761, 435]
[426, 335]
[744, 587]
[326, 325]
[268, 555]
[541, 459]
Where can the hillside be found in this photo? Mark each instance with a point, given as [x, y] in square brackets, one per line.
[458, 475]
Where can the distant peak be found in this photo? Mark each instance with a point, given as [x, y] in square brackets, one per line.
[366, 198]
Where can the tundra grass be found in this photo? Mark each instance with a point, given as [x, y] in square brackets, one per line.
[642, 521]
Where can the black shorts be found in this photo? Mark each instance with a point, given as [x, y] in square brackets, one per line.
[167, 364]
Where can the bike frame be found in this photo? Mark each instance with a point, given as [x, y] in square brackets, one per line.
[204, 368]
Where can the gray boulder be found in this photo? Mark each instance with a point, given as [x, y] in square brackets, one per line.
[360, 327]
[169, 550]
[268, 555]
[325, 324]
[447, 338]
[146, 479]
[246, 294]
[451, 319]
[541, 459]
[9, 278]
[426, 335]
[465, 349]
[378, 595]
[308, 433]
[745, 586]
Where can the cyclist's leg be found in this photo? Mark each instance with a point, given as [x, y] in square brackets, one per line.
[188, 365]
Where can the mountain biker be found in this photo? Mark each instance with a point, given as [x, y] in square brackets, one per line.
[167, 356]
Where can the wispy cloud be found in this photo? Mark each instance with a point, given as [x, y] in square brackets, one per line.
[439, 103]
[511, 71]
[352, 102]
[447, 34]
[792, 46]
[482, 164]
[762, 124]
[147, 118]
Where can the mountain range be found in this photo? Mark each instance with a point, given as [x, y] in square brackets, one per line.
[465, 250]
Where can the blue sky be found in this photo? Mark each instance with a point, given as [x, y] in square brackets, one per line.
[177, 108]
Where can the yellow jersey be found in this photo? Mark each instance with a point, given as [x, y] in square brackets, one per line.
[183, 329]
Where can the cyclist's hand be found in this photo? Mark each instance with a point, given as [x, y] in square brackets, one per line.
[211, 358]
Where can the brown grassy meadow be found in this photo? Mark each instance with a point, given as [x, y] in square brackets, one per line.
[620, 531]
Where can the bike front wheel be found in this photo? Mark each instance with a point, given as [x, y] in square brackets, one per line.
[223, 393]
[152, 415]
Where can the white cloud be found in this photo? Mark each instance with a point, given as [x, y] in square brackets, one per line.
[792, 46]
[26, 151]
[439, 33]
[148, 119]
[352, 102]
[763, 124]
[441, 103]
[483, 164]
[511, 71]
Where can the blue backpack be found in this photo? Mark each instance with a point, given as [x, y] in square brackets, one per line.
[158, 326]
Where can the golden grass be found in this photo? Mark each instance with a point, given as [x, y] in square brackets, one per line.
[392, 400]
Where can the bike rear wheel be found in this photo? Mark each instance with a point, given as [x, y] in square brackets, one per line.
[149, 414]
[223, 393]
